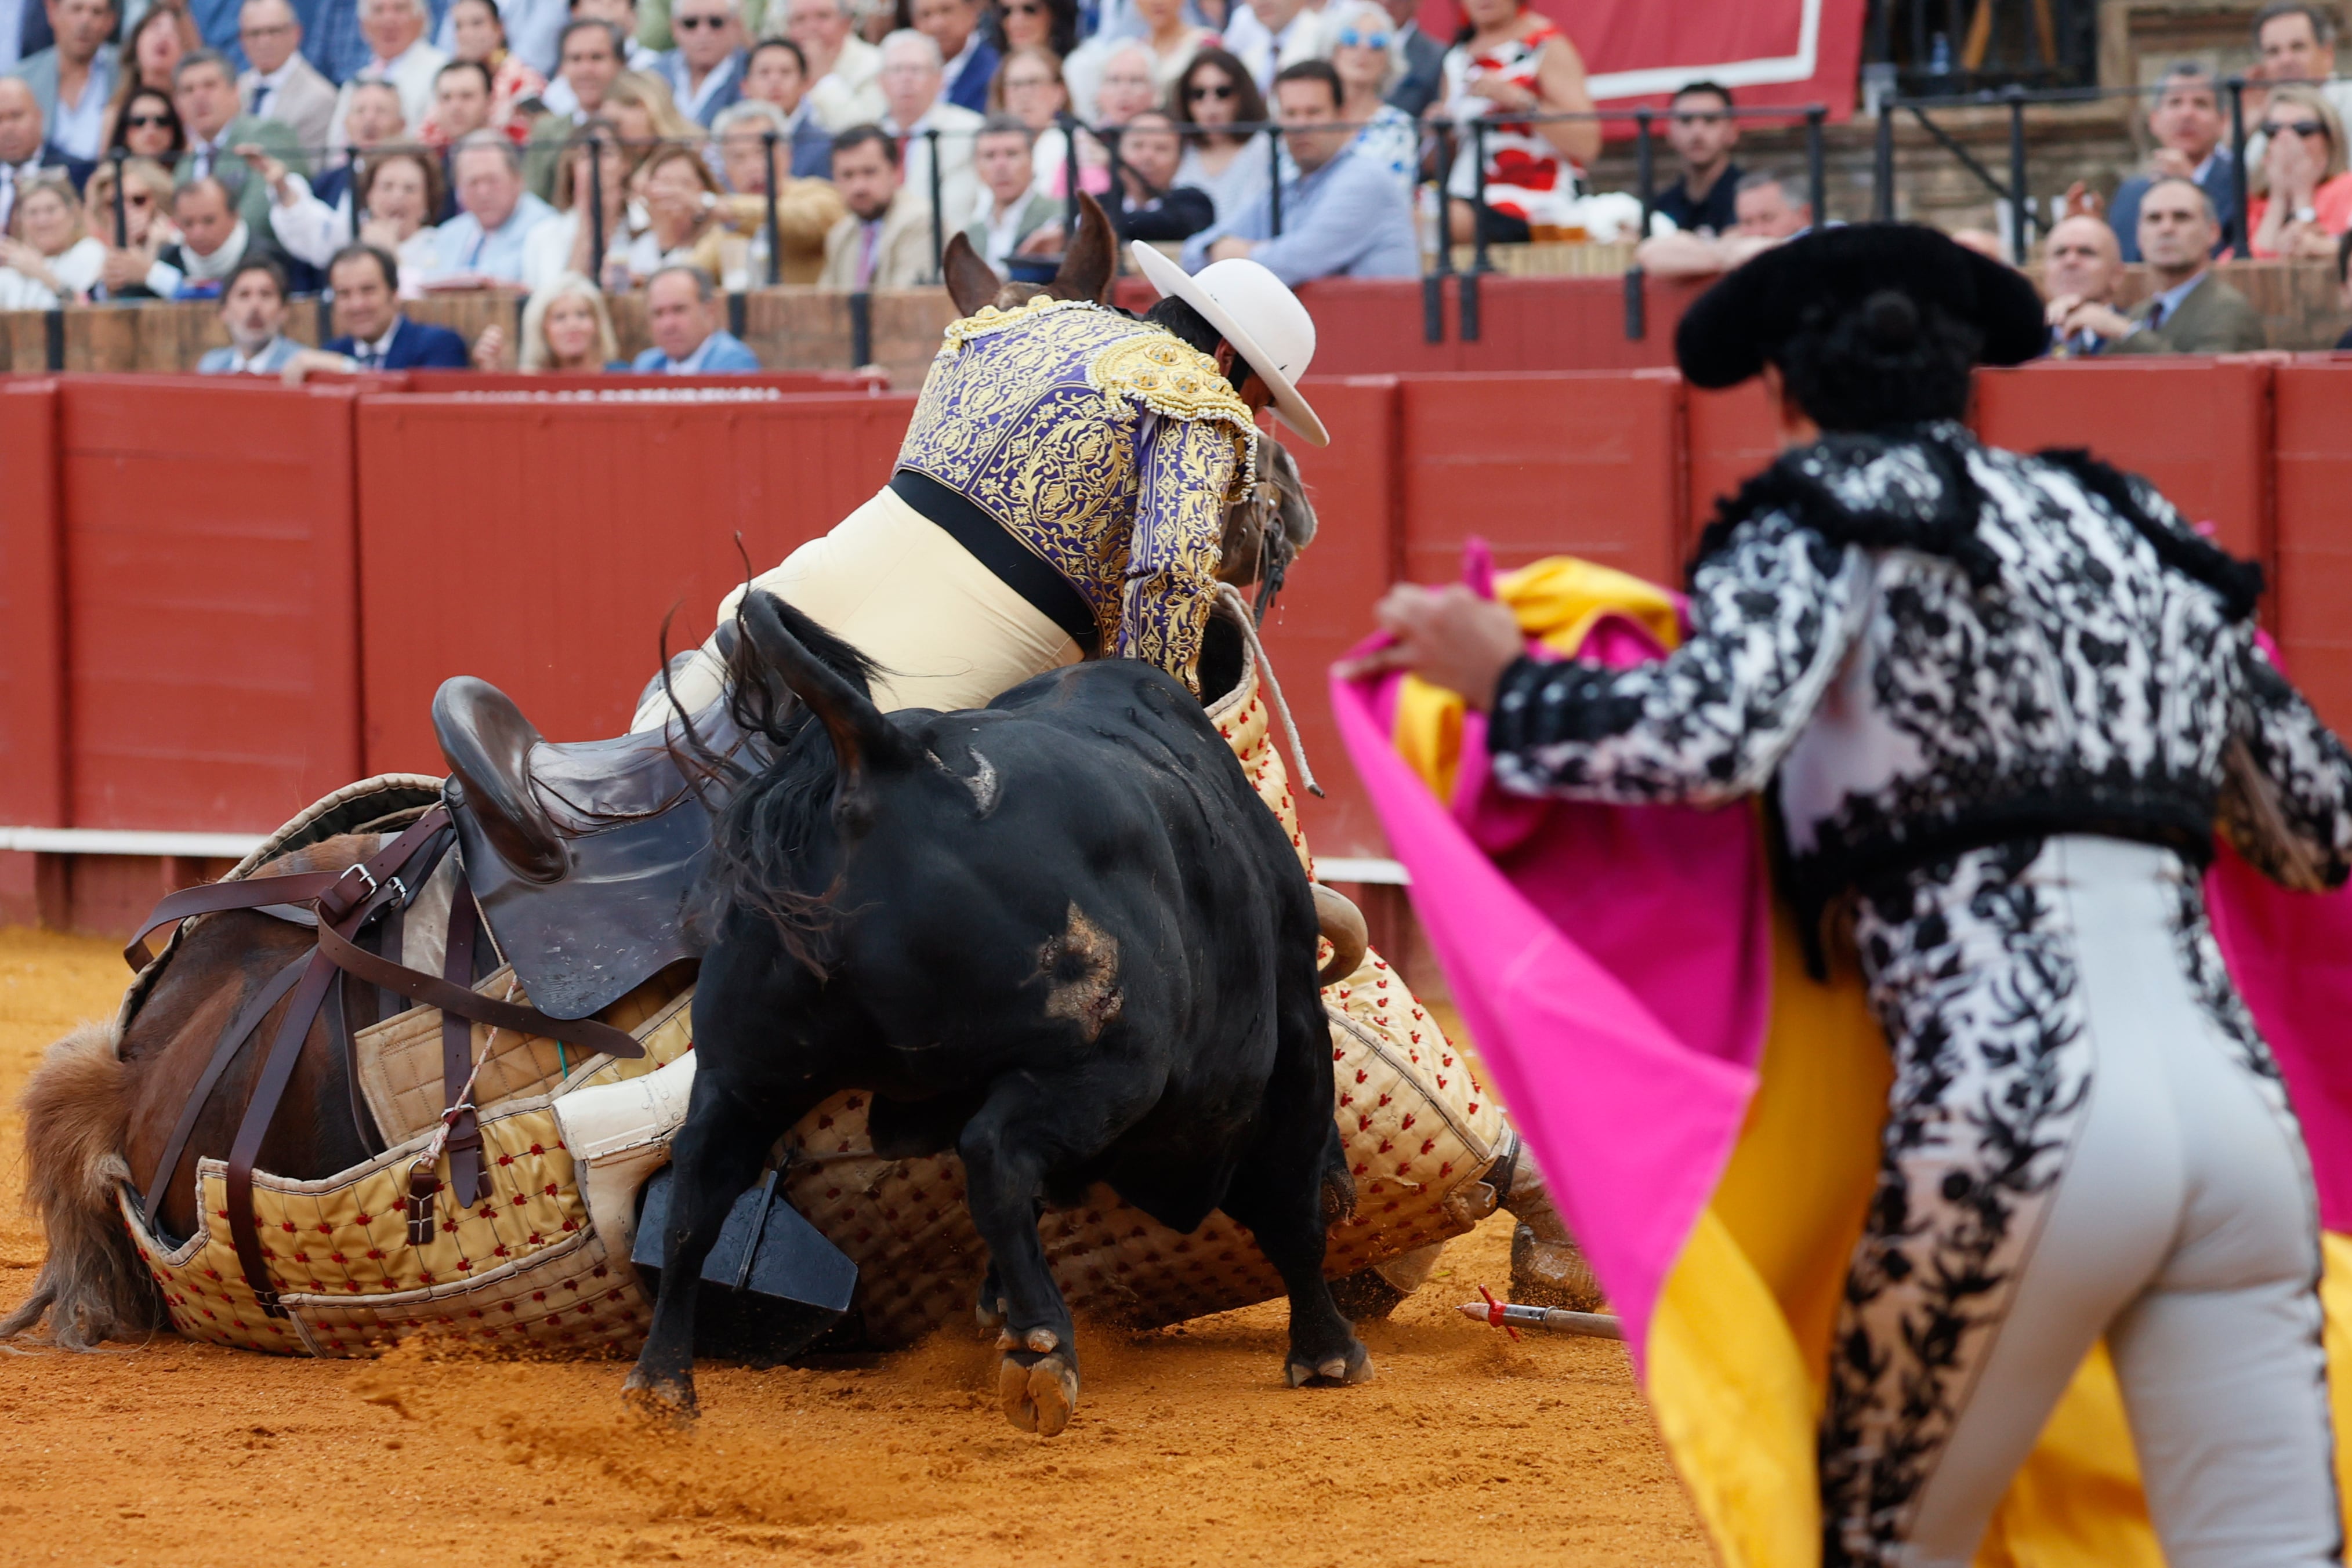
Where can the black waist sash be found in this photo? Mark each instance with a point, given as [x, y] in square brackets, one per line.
[1046, 591]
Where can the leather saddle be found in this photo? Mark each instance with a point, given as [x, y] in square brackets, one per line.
[582, 855]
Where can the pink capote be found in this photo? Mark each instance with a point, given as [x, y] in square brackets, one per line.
[1612, 967]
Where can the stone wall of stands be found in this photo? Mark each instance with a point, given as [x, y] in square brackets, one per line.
[220, 600]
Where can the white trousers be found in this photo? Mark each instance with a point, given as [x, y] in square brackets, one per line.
[947, 632]
[2183, 1228]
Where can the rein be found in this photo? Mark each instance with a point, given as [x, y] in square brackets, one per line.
[343, 903]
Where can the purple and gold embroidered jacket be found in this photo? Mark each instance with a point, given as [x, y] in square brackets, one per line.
[1105, 445]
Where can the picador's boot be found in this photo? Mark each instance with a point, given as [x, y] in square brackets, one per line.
[1548, 1268]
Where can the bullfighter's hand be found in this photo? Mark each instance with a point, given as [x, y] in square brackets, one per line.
[1448, 636]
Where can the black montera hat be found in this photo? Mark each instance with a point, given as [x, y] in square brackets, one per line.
[1731, 330]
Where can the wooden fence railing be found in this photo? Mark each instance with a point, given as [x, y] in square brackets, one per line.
[1531, 322]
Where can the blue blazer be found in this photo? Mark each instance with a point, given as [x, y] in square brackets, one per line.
[416, 346]
[728, 356]
[811, 149]
[971, 89]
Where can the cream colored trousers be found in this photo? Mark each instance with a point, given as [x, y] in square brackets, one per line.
[947, 632]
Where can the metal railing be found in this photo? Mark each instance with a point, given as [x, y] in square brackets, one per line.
[2014, 193]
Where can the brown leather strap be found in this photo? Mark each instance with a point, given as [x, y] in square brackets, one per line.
[435, 992]
[233, 1038]
[270, 1088]
[465, 1143]
[335, 891]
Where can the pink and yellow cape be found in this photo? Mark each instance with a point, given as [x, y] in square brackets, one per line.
[1709, 1115]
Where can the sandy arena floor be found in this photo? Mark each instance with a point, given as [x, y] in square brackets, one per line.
[1469, 1451]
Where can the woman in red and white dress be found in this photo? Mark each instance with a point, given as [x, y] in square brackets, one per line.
[1515, 61]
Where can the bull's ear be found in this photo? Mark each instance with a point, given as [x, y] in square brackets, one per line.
[1090, 260]
[971, 282]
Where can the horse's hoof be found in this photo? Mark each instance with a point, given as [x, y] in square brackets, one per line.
[1552, 1274]
[665, 1401]
[1341, 1370]
[1037, 1392]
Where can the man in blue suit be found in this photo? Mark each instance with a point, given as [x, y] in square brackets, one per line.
[683, 326]
[968, 60]
[376, 336]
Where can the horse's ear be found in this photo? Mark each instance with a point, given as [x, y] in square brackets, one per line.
[971, 282]
[1090, 260]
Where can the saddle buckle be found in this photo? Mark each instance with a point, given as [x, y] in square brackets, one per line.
[334, 893]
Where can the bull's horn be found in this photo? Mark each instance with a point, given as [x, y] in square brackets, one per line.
[1342, 924]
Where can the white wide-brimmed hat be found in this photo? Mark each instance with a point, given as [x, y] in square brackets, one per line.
[1251, 309]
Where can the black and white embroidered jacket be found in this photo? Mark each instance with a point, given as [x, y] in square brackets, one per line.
[1928, 645]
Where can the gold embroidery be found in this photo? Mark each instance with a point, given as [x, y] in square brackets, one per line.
[988, 319]
[1045, 418]
[1171, 378]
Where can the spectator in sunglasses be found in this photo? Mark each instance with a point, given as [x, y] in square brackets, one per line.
[150, 127]
[1215, 94]
[2302, 194]
[1368, 54]
[704, 72]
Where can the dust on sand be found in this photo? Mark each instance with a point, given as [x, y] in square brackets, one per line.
[1187, 1448]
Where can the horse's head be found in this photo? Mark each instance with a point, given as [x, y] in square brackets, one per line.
[1266, 529]
[1088, 264]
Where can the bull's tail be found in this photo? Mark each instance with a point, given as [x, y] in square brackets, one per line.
[91, 1287]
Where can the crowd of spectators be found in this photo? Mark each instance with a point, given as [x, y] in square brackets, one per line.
[570, 150]
[201, 149]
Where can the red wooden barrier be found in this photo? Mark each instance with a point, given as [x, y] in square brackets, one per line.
[32, 634]
[1729, 437]
[1326, 604]
[32, 610]
[539, 545]
[619, 381]
[2312, 587]
[2199, 429]
[1375, 325]
[212, 653]
[1572, 463]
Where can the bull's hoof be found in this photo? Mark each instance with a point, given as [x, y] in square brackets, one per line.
[1353, 1366]
[1552, 1274]
[1037, 1392]
[989, 1314]
[664, 1401]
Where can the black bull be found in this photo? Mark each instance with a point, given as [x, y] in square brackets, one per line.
[1060, 934]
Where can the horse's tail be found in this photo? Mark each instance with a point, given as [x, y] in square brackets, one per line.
[91, 1286]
